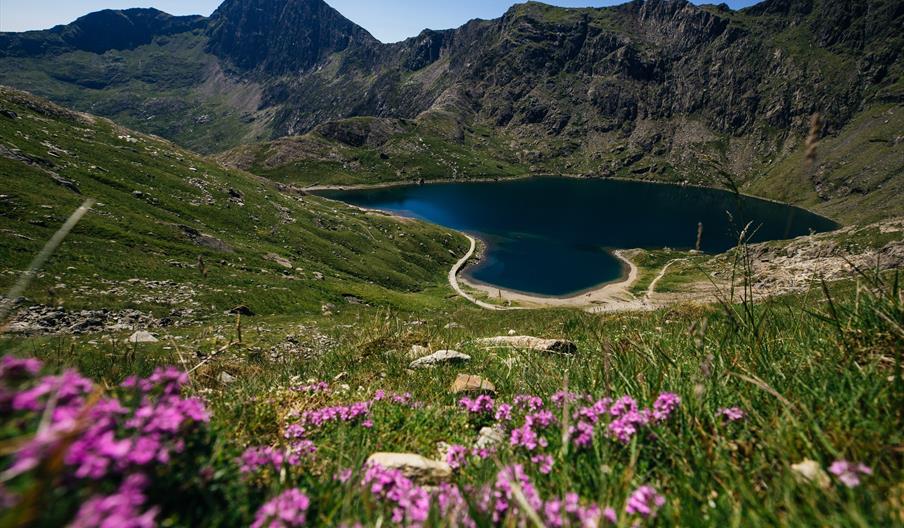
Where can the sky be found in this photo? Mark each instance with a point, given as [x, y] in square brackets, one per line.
[387, 20]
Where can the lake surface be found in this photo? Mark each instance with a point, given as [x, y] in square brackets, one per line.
[555, 236]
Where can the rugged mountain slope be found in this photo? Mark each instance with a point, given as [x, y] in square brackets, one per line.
[162, 211]
[658, 89]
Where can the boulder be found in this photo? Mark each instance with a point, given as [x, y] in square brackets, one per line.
[810, 471]
[281, 261]
[490, 437]
[558, 346]
[417, 468]
[142, 337]
[467, 383]
[442, 357]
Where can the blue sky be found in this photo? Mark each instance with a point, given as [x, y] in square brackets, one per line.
[388, 20]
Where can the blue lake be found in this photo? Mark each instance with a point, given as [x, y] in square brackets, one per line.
[555, 236]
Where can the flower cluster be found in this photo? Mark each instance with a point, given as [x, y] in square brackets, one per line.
[849, 472]
[287, 510]
[123, 508]
[731, 414]
[110, 437]
[118, 437]
[410, 503]
[457, 456]
[480, 405]
[339, 413]
[513, 487]
[626, 418]
[645, 502]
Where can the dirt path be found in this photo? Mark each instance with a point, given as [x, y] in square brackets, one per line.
[652, 288]
[453, 280]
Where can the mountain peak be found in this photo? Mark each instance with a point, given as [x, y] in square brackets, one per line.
[281, 36]
[100, 32]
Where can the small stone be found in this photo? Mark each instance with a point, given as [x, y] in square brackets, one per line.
[142, 337]
[227, 378]
[559, 346]
[282, 261]
[467, 383]
[415, 467]
[490, 437]
[452, 326]
[439, 358]
[810, 471]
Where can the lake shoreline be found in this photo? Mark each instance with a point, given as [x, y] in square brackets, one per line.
[610, 296]
[404, 183]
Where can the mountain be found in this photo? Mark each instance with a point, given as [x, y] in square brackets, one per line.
[281, 37]
[652, 89]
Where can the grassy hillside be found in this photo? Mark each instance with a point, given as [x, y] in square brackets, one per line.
[858, 173]
[171, 88]
[161, 208]
[747, 414]
[810, 380]
[369, 150]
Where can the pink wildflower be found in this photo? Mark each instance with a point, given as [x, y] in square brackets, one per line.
[664, 405]
[545, 463]
[731, 414]
[287, 510]
[528, 402]
[456, 457]
[410, 503]
[483, 404]
[849, 472]
[122, 509]
[645, 501]
[503, 412]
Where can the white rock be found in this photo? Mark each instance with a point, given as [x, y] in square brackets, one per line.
[810, 471]
[142, 337]
[561, 346]
[490, 437]
[415, 467]
[439, 358]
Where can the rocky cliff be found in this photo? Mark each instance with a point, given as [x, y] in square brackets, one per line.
[659, 89]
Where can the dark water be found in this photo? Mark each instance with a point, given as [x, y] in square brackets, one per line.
[554, 236]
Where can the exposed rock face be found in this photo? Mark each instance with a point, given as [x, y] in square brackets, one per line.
[47, 320]
[417, 468]
[442, 357]
[279, 36]
[559, 346]
[649, 89]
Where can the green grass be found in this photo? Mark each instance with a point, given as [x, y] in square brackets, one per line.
[378, 258]
[814, 385]
[857, 173]
[819, 373]
[428, 149]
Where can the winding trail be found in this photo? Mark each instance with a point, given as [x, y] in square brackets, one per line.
[453, 280]
[614, 297]
[652, 288]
